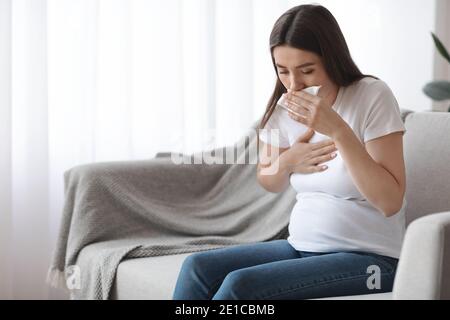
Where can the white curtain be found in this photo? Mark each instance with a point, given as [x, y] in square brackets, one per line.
[104, 80]
[441, 66]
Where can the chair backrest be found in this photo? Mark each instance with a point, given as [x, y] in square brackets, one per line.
[427, 160]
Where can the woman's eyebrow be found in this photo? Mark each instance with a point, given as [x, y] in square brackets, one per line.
[298, 67]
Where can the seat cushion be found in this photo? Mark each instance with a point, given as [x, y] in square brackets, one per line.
[154, 278]
[151, 278]
[375, 296]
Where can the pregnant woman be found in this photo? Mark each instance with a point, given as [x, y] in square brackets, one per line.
[342, 152]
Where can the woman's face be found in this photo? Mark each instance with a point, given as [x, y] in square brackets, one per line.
[300, 69]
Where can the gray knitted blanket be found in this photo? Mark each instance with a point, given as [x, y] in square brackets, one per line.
[122, 210]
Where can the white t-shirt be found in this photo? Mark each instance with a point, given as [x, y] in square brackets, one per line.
[331, 214]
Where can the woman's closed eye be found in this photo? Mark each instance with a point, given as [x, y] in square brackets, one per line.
[304, 72]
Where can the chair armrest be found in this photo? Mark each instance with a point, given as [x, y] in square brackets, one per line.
[423, 271]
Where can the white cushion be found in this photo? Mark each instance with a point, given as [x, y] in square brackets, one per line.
[152, 278]
[375, 296]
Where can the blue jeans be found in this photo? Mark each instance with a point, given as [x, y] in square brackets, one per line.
[275, 270]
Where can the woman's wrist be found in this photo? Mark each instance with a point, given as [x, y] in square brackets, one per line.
[284, 162]
[340, 132]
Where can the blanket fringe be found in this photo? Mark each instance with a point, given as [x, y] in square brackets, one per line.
[56, 278]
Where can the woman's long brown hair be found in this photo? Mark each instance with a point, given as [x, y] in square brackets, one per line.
[312, 28]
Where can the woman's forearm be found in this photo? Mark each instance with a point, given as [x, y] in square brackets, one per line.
[377, 184]
[276, 177]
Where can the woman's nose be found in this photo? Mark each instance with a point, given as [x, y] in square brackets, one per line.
[296, 85]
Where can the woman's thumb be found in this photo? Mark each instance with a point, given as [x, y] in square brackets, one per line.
[306, 136]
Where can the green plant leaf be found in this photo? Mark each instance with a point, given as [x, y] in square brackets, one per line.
[438, 90]
[441, 48]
